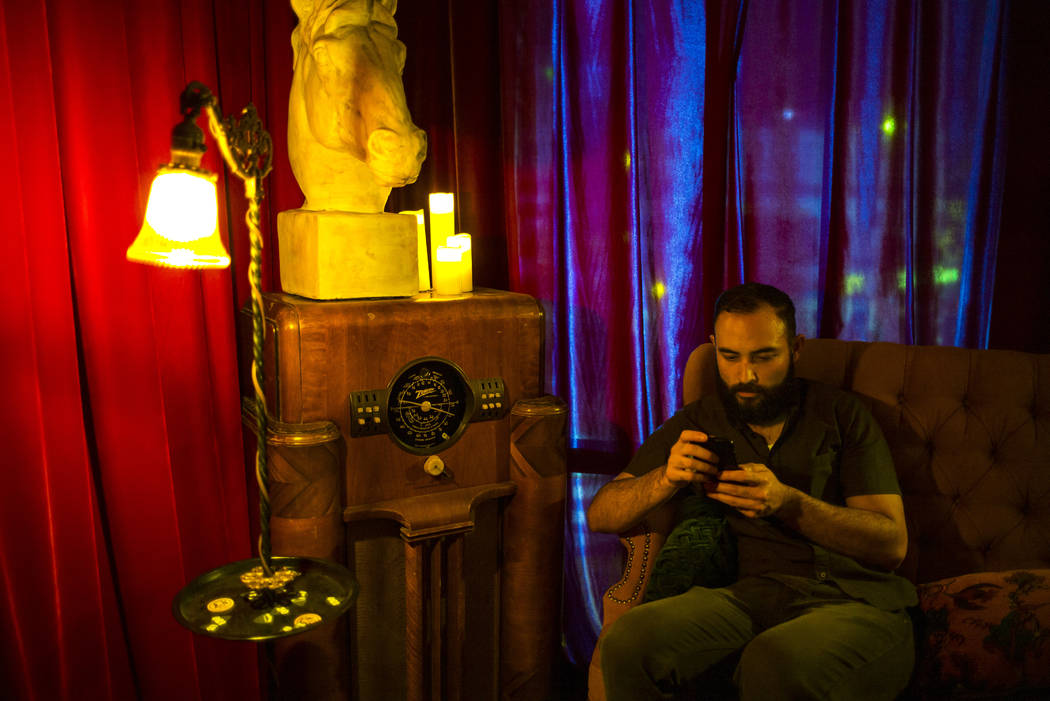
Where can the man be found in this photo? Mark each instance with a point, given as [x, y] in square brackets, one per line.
[816, 612]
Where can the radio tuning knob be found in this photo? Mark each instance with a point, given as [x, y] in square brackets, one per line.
[434, 466]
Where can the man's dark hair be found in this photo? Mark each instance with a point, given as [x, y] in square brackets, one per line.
[751, 296]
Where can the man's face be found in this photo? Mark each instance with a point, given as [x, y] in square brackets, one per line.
[756, 362]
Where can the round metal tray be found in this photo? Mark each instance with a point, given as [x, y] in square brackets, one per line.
[217, 603]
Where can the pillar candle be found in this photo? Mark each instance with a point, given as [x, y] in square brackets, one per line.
[447, 273]
[466, 266]
[442, 222]
[422, 258]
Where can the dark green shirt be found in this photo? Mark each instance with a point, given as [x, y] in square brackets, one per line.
[831, 448]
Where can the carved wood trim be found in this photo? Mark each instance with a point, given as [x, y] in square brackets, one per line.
[432, 515]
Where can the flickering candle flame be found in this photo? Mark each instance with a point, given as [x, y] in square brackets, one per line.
[442, 203]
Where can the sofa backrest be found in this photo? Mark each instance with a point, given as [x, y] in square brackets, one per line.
[970, 435]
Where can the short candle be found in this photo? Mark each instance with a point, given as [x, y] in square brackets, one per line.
[447, 274]
[462, 242]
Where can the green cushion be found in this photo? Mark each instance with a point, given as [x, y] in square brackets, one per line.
[700, 551]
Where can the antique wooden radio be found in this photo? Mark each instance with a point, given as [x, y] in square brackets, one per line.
[410, 440]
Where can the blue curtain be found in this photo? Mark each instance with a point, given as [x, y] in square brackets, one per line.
[849, 153]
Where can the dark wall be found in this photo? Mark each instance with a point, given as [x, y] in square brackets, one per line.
[1021, 308]
[453, 91]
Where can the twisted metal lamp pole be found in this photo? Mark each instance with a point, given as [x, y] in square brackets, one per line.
[248, 151]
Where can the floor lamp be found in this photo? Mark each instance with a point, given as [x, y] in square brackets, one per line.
[265, 597]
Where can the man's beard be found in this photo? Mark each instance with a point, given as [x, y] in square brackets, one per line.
[769, 405]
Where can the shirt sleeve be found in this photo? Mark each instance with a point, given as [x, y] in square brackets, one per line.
[657, 447]
[866, 465]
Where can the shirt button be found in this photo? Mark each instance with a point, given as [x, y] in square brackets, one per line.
[822, 575]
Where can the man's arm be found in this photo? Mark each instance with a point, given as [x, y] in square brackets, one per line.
[622, 503]
[870, 528]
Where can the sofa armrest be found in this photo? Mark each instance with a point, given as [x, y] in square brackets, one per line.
[642, 543]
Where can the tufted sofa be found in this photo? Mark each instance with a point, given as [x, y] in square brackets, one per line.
[969, 431]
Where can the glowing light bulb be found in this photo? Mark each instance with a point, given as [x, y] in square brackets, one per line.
[182, 206]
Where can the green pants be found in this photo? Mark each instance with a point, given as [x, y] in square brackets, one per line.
[804, 641]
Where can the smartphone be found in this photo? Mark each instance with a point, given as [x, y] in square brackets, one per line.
[723, 448]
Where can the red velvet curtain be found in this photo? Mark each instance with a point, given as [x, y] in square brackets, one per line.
[124, 473]
[123, 450]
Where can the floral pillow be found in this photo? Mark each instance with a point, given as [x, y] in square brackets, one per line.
[987, 633]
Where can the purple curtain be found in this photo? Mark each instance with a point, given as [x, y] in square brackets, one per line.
[850, 153]
[871, 157]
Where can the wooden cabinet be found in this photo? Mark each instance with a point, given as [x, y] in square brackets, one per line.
[459, 570]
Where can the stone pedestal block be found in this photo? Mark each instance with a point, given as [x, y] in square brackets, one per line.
[346, 255]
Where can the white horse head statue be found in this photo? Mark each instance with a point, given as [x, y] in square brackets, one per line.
[350, 136]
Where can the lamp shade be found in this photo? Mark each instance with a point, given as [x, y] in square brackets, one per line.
[181, 227]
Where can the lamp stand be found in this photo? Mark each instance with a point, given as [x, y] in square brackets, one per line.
[252, 600]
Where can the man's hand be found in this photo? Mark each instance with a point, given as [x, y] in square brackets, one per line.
[752, 489]
[622, 503]
[690, 462]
